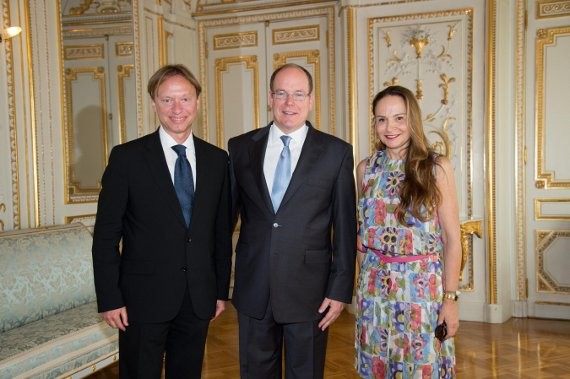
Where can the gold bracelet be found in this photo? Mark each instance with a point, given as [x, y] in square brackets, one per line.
[451, 295]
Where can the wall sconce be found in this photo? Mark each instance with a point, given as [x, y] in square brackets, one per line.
[9, 32]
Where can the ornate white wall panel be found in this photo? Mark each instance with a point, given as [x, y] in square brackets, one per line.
[547, 227]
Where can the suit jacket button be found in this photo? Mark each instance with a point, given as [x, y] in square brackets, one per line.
[275, 225]
[184, 269]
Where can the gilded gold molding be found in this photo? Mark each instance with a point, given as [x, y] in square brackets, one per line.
[75, 192]
[305, 33]
[80, 218]
[539, 214]
[123, 71]
[520, 149]
[2, 209]
[352, 91]
[544, 38]
[138, 70]
[235, 40]
[209, 8]
[221, 67]
[12, 124]
[468, 228]
[87, 51]
[552, 8]
[312, 58]
[124, 49]
[552, 303]
[544, 281]
[491, 152]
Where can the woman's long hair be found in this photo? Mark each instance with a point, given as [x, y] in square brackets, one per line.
[418, 191]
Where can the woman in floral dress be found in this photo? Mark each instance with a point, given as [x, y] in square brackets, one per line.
[409, 249]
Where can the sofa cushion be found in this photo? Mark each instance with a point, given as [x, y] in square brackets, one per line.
[57, 344]
[44, 271]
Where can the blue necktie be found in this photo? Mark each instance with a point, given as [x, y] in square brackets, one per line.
[183, 182]
[282, 174]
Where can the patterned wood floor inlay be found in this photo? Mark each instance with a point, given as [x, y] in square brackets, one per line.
[518, 348]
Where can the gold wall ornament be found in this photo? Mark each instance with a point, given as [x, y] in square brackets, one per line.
[235, 40]
[419, 43]
[444, 85]
[468, 228]
[419, 89]
[79, 10]
[393, 82]
[443, 146]
[2, 209]
[387, 39]
[297, 34]
[552, 8]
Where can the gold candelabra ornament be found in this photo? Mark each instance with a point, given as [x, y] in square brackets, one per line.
[9, 32]
[419, 43]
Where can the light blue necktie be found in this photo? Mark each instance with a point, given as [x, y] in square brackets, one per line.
[184, 182]
[282, 174]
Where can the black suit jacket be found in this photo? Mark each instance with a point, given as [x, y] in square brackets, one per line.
[306, 251]
[161, 256]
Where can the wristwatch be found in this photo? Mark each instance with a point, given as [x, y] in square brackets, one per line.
[451, 295]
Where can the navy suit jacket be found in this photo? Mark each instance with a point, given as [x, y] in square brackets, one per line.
[306, 251]
[161, 256]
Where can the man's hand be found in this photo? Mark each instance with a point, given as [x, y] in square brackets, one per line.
[116, 318]
[334, 309]
[220, 307]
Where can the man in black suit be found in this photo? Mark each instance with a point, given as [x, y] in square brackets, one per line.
[166, 196]
[296, 250]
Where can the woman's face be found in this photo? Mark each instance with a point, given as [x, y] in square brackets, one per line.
[391, 124]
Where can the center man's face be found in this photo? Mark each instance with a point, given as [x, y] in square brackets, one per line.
[290, 114]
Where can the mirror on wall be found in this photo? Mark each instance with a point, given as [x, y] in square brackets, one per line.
[100, 95]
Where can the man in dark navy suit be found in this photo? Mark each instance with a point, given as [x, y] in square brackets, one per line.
[293, 187]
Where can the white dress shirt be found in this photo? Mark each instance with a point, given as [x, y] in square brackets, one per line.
[274, 147]
[167, 142]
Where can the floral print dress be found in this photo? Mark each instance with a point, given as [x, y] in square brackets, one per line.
[398, 295]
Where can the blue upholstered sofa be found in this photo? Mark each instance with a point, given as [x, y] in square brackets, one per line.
[49, 326]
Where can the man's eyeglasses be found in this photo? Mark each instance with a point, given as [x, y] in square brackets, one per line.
[283, 95]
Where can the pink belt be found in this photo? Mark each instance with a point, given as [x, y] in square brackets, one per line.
[402, 258]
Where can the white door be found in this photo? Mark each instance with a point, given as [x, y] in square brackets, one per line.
[548, 161]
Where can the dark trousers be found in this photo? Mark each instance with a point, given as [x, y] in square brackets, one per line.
[143, 345]
[261, 346]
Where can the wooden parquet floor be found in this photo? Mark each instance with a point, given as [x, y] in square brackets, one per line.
[519, 348]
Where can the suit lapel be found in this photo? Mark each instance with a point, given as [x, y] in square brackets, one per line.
[159, 170]
[256, 158]
[310, 154]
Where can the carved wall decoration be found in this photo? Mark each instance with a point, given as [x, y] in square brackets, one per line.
[552, 257]
[235, 40]
[296, 34]
[552, 8]
[72, 52]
